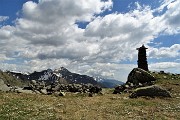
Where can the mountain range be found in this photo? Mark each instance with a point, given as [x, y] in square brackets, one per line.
[64, 76]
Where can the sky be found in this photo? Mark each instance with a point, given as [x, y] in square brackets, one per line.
[92, 37]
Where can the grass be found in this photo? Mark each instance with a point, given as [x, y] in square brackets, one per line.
[14, 106]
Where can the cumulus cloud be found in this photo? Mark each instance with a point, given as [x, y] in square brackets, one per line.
[47, 36]
[172, 18]
[165, 52]
[165, 66]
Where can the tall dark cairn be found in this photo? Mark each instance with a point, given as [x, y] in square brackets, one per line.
[142, 58]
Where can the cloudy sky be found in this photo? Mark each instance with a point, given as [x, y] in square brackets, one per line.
[93, 37]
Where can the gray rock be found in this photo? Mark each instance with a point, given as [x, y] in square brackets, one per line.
[43, 91]
[21, 90]
[119, 89]
[59, 94]
[90, 94]
[151, 91]
[3, 86]
[126, 86]
[33, 82]
[62, 93]
[138, 75]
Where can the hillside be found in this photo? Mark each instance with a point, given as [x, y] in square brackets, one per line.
[107, 106]
[13, 80]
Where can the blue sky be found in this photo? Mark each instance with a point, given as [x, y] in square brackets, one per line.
[93, 37]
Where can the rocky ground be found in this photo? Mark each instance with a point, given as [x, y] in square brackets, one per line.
[79, 105]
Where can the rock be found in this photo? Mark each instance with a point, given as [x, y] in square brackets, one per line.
[59, 94]
[126, 86]
[43, 91]
[119, 89]
[62, 93]
[165, 77]
[90, 95]
[3, 86]
[27, 88]
[138, 75]
[33, 82]
[21, 90]
[95, 89]
[162, 72]
[151, 91]
[131, 85]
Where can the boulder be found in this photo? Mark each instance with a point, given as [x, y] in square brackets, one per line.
[43, 91]
[138, 75]
[95, 89]
[119, 89]
[33, 82]
[3, 86]
[151, 91]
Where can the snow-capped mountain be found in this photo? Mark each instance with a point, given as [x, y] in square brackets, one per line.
[108, 83]
[58, 74]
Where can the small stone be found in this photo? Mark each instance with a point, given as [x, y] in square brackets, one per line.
[127, 86]
[43, 91]
[165, 77]
[62, 94]
[90, 95]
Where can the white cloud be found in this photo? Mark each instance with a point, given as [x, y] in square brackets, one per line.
[166, 66]
[3, 18]
[48, 37]
[172, 17]
[165, 52]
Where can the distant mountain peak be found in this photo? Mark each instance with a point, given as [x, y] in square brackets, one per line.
[61, 74]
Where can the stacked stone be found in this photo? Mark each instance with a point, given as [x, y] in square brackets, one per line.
[142, 58]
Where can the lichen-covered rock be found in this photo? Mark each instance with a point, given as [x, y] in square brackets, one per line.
[151, 91]
[3, 86]
[138, 75]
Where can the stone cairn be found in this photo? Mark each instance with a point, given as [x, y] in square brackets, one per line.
[140, 82]
[142, 58]
[138, 77]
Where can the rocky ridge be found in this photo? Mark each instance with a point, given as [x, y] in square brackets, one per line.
[61, 75]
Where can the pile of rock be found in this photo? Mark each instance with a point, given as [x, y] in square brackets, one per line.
[141, 83]
[129, 87]
[136, 78]
[56, 88]
[46, 88]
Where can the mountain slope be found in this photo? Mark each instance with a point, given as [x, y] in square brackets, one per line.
[62, 75]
